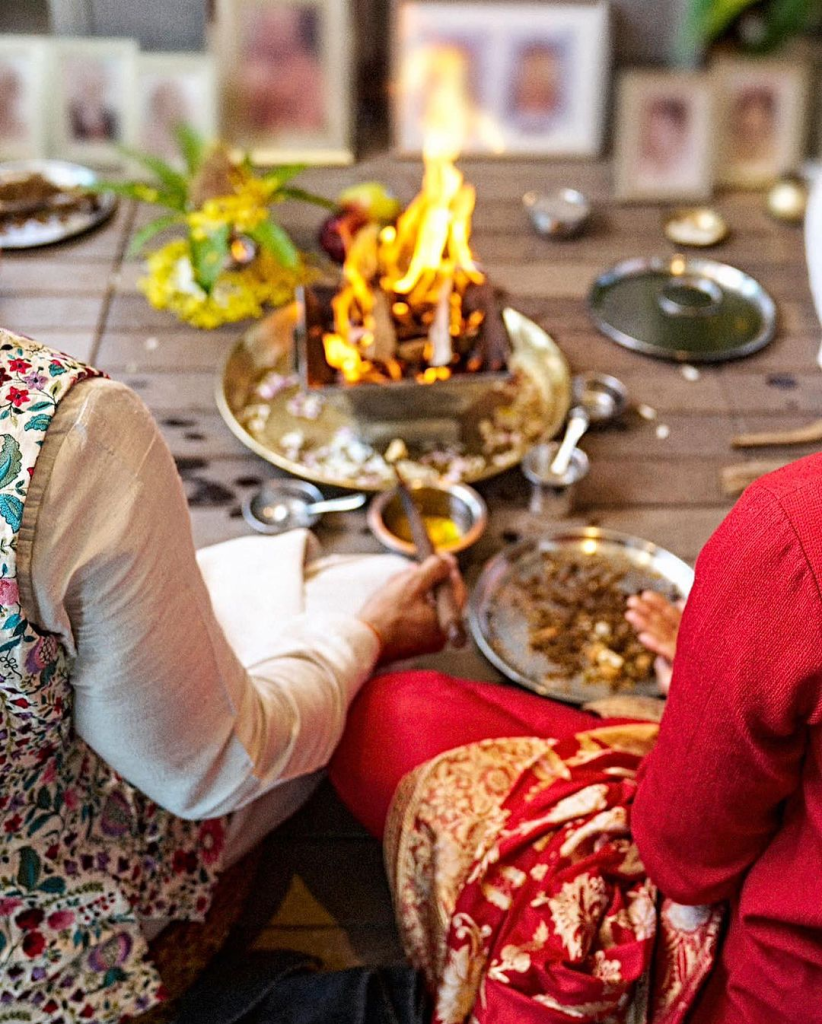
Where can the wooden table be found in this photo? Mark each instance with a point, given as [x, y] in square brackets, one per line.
[327, 893]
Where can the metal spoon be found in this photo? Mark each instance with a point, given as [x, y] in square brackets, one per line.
[285, 509]
[598, 399]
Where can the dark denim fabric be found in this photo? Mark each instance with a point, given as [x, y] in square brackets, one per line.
[287, 988]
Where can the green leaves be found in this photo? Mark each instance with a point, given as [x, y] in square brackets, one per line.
[28, 872]
[11, 509]
[276, 240]
[142, 193]
[711, 19]
[209, 256]
[10, 459]
[281, 176]
[193, 147]
[148, 232]
[300, 195]
[174, 183]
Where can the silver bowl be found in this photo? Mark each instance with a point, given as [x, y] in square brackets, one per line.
[457, 502]
[298, 494]
[562, 213]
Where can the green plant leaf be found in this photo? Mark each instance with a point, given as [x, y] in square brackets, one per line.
[10, 459]
[280, 176]
[173, 180]
[192, 145]
[277, 241]
[302, 196]
[785, 19]
[208, 257]
[138, 190]
[28, 873]
[148, 232]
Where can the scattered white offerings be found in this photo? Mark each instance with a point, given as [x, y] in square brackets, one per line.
[512, 423]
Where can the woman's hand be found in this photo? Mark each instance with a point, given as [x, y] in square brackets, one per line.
[656, 621]
[403, 613]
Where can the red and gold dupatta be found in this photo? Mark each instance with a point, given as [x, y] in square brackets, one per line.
[521, 895]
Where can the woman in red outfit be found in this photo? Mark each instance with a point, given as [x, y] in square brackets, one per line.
[726, 810]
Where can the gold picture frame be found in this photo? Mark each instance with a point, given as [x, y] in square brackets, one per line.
[663, 139]
[286, 79]
[763, 118]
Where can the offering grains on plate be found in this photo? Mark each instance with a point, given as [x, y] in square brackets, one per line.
[574, 607]
[34, 197]
[549, 612]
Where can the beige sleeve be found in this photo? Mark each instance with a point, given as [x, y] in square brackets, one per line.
[106, 561]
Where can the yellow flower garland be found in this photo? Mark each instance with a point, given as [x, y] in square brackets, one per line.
[238, 294]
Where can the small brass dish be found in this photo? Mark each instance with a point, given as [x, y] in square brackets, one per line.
[788, 199]
[455, 516]
[699, 227]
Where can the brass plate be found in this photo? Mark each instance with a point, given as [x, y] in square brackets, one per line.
[501, 631]
[261, 424]
[33, 233]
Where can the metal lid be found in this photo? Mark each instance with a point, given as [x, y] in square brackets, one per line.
[689, 310]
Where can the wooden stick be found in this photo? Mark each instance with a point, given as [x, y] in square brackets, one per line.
[734, 479]
[809, 434]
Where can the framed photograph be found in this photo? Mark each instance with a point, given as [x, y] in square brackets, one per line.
[174, 89]
[286, 79]
[664, 136]
[94, 84]
[513, 78]
[763, 111]
[23, 75]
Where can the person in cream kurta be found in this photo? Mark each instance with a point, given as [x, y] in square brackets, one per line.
[191, 705]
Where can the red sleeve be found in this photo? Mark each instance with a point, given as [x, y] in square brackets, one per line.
[746, 683]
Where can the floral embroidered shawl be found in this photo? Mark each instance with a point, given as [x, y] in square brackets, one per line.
[521, 895]
[82, 853]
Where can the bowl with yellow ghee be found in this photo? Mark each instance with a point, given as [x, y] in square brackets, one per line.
[455, 517]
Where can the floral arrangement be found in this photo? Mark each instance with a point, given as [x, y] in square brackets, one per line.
[235, 258]
[757, 25]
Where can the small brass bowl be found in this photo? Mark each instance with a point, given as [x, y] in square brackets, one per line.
[696, 226]
[458, 504]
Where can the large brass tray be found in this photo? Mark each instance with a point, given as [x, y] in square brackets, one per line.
[541, 390]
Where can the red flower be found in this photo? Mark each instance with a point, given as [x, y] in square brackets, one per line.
[51, 1006]
[29, 919]
[19, 365]
[184, 862]
[13, 824]
[34, 943]
[60, 920]
[87, 1011]
[4, 377]
[211, 838]
[17, 397]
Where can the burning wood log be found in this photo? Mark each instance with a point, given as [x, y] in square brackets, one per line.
[439, 336]
[493, 346]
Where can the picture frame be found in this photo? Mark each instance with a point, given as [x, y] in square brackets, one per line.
[763, 119]
[24, 127]
[174, 89]
[528, 79]
[94, 113]
[664, 136]
[286, 79]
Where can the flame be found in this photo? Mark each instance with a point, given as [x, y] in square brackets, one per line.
[414, 276]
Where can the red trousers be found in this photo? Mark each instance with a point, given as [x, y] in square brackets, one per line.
[400, 720]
